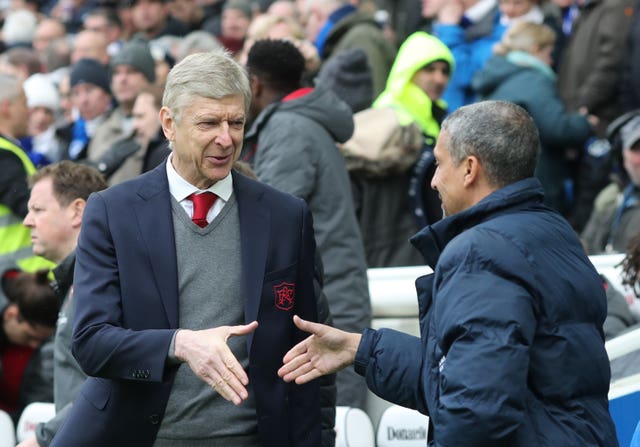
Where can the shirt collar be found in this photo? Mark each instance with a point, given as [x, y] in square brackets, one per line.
[180, 189]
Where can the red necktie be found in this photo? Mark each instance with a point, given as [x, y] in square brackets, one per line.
[201, 205]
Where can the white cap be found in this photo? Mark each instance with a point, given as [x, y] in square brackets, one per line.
[19, 27]
[41, 92]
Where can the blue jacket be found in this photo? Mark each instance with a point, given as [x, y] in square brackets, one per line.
[471, 48]
[511, 350]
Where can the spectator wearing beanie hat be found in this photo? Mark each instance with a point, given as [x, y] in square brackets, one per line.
[349, 75]
[91, 96]
[236, 18]
[43, 100]
[132, 69]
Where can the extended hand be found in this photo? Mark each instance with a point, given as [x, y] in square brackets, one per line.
[326, 351]
[207, 354]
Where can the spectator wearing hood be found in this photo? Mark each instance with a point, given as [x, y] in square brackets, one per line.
[391, 192]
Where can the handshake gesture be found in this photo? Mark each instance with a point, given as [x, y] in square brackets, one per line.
[325, 351]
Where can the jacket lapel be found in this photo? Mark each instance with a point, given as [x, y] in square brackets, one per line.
[154, 217]
[255, 223]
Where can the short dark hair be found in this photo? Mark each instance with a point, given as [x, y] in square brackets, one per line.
[70, 180]
[110, 15]
[501, 134]
[277, 63]
[37, 302]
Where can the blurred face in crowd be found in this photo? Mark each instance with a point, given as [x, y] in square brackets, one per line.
[516, 8]
[47, 31]
[313, 22]
[206, 139]
[187, 11]
[145, 118]
[234, 24]
[631, 161]
[433, 79]
[53, 225]
[100, 24]
[149, 16]
[40, 119]
[21, 332]
[15, 115]
[90, 45]
[90, 100]
[126, 83]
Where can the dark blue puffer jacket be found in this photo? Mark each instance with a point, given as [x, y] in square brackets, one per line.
[512, 349]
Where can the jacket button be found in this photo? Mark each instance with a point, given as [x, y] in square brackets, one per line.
[154, 419]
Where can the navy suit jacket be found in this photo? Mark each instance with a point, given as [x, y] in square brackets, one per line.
[126, 298]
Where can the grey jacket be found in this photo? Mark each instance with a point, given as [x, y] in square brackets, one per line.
[67, 374]
[291, 146]
[296, 153]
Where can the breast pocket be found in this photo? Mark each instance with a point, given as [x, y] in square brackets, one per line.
[279, 288]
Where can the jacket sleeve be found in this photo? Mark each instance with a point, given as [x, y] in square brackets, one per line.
[486, 322]
[391, 363]
[102, 345]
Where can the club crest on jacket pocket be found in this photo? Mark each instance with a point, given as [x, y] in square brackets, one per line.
[284, 295]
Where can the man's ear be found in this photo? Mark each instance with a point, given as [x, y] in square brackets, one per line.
[167, 122]
[256, 86]
[11, 312]
[472, 170]
[77, 210]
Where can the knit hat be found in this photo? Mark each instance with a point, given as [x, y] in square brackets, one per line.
[19, 27]
[136, 53]
[348, 74]
[90, 71]
[630, 133]
[41, 92]
[241, 5]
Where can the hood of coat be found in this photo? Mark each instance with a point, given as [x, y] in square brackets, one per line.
[325, 108]
[495, 72]
[418, 50]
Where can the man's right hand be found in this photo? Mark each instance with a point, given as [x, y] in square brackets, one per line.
[326, 351]
[207, 354]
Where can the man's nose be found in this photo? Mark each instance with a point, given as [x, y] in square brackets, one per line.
[224, 137]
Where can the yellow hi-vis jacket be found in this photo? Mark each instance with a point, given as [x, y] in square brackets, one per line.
[15, 238]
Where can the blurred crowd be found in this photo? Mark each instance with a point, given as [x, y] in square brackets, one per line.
[348, 98]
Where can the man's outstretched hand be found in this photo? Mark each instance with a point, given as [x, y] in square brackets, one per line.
[210, 358]
[325, 351]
